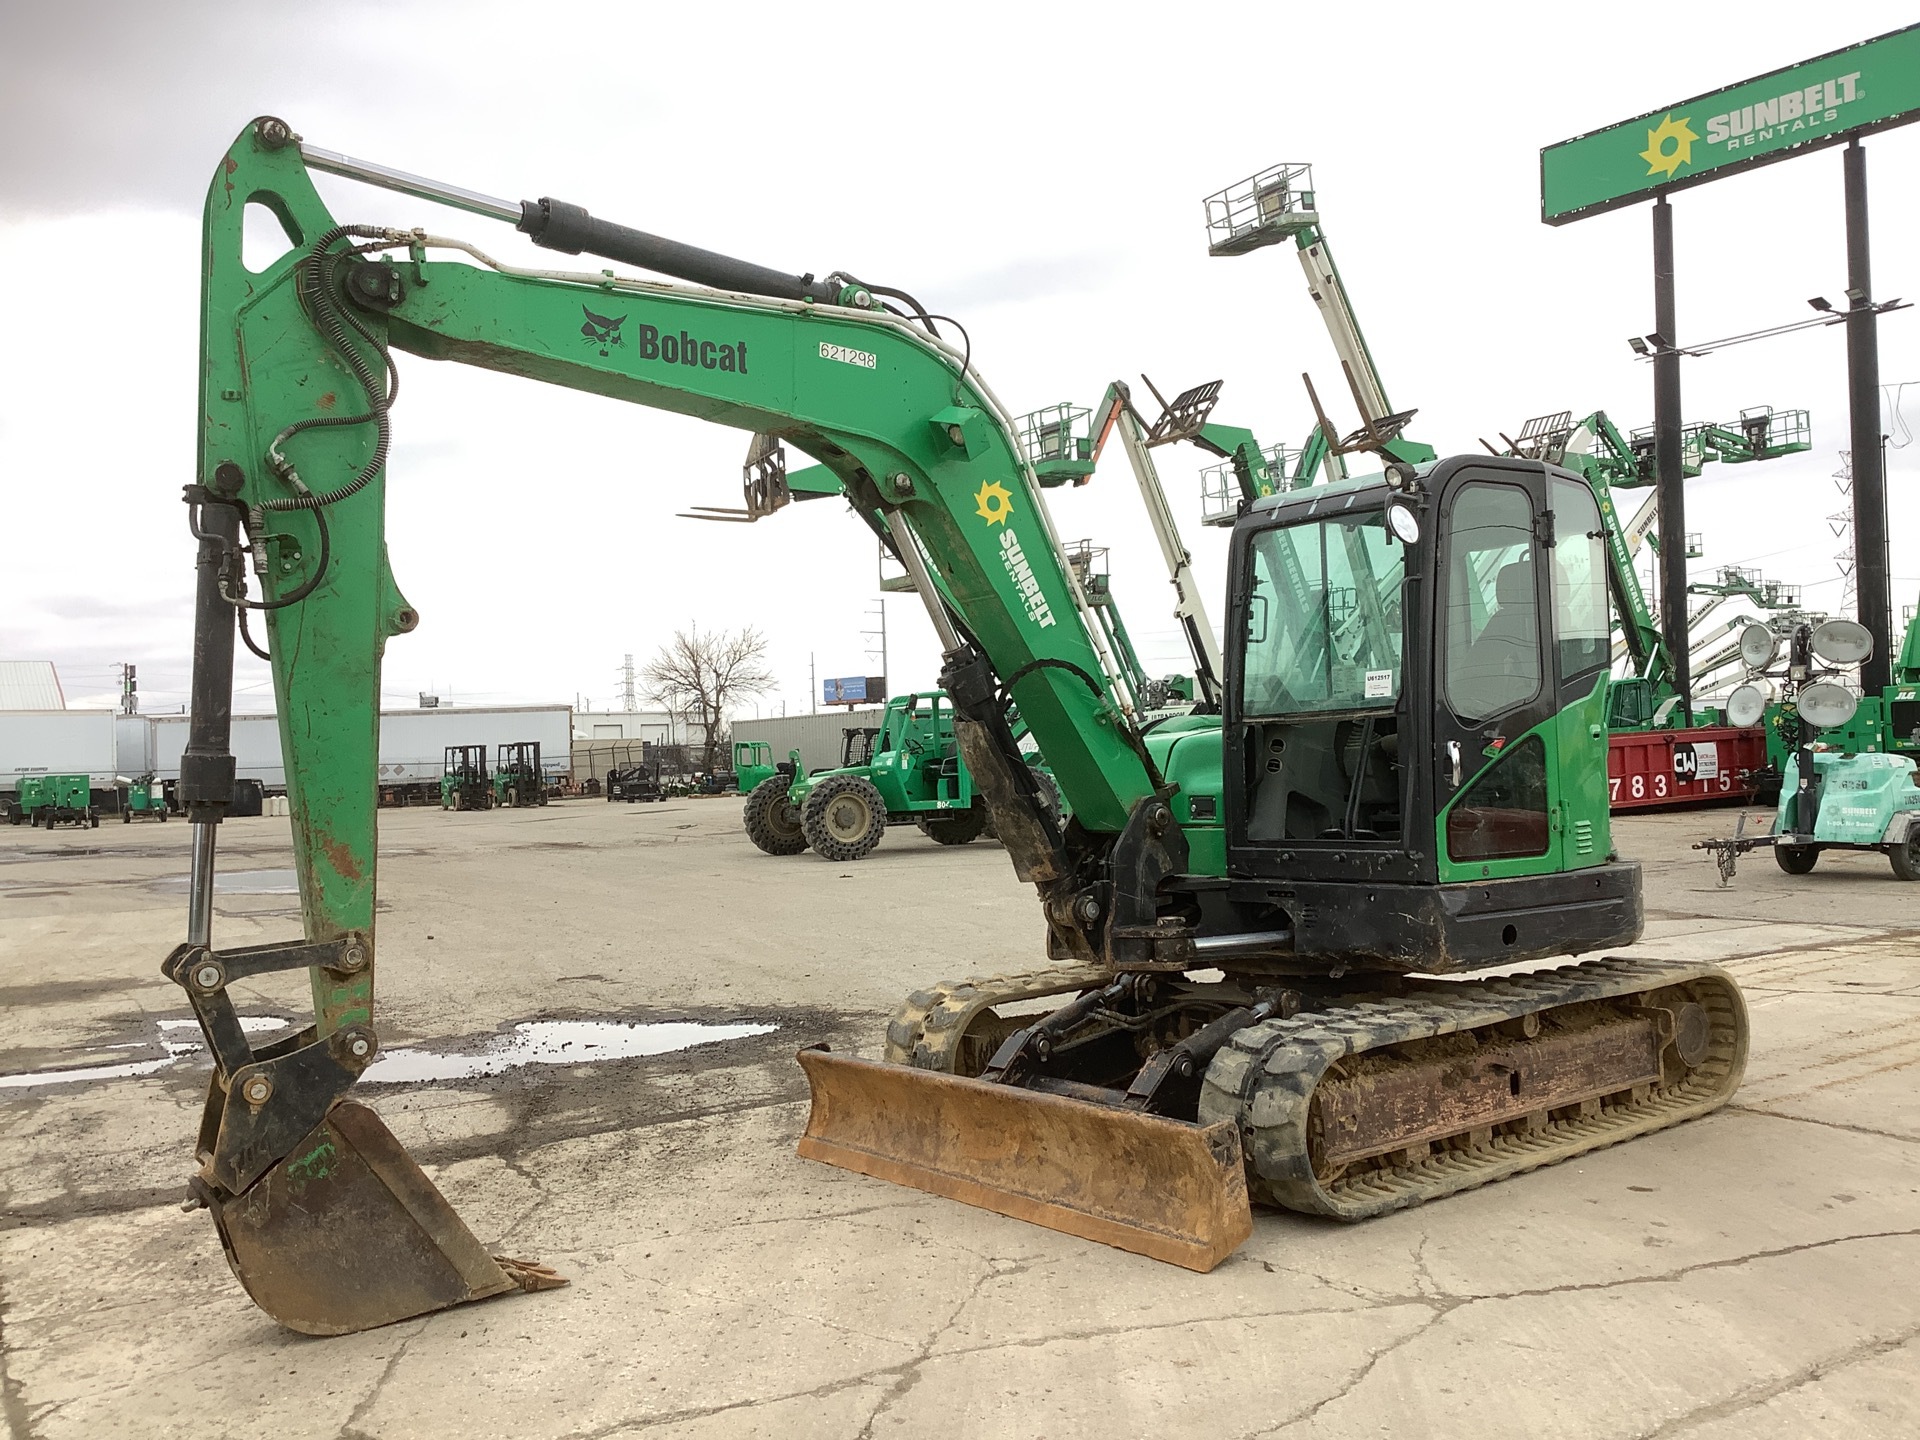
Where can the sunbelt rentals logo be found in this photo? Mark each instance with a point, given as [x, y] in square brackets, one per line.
[1809, 107]
[994, 503]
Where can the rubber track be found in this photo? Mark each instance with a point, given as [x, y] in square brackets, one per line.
[926, 1031]
[1264, 1080]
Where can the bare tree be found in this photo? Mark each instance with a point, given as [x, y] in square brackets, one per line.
[701, 676]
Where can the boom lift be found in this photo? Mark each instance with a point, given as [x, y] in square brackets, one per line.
[1280, 204]
[1064, 442]
[1407, 777]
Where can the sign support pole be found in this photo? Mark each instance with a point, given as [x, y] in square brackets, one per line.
[1872, 597]
[1669, 461]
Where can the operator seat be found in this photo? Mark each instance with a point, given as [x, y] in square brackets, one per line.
[1501, 667]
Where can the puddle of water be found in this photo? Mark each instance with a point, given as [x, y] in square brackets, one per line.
[239, 882]
[553, 1042]
[175, 1050]
[532, 1042]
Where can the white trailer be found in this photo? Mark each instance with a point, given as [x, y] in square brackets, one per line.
[413, 743]
[133, 745]
[58, 742]
[255, 744]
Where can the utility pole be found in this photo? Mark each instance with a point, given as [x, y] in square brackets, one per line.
[813, 687]
[1669, 460]
[1873, 598]
[129, 690]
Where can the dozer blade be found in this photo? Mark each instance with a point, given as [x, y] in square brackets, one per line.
[347, 1233]
[1158, 1187]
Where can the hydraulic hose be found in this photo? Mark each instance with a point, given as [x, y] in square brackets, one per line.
[316, 279]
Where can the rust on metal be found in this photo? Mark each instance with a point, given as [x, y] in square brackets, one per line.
[1161, 1188]
[347, 1233]
[1387, 1103]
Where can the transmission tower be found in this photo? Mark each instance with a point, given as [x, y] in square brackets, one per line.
[629, 701]
[1841, 523]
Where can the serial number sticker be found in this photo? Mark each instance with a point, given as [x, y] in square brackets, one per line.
[1379, 684]
[847, 355]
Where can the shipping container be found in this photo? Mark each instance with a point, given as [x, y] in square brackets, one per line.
[1704, 765]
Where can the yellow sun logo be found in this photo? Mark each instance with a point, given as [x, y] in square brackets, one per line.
[993, 502]
[1660, 159]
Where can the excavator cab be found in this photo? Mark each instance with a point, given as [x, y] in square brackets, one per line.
[1416, 721]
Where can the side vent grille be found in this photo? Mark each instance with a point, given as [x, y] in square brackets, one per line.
[1583, 837]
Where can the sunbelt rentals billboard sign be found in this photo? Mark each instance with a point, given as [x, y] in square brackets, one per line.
[1868, 86]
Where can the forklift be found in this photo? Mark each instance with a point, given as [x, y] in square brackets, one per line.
[517, 780]
[463, 779]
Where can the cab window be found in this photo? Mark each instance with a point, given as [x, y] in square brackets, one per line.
[1581, 630]
[1492, 625]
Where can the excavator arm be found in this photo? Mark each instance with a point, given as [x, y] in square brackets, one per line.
[326, 1220]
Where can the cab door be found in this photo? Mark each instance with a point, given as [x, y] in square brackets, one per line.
[1495, 686]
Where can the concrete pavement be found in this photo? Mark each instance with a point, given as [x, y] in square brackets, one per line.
[1751, 1274]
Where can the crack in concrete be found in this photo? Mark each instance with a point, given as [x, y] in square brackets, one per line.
[1666, 1277]
[678, 1417]
[511, 1161]
[13, 1395]
[1755, 1395]
[349, 1428]
[1359, 1376]
[892, 1372]
[1827, 1124]
[1882, 939]
[908, 1375]
[1444, 1304]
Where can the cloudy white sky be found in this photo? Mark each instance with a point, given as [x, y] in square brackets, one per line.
[1036, 170]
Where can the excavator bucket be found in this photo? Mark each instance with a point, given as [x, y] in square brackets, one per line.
[347, 1233]
[1158, 1187]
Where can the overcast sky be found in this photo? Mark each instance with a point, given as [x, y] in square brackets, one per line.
[1035, 170]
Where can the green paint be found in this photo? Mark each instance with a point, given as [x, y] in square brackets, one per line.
[1579, 828]
[1189, 752]
[1864, 87]
[318, 1163]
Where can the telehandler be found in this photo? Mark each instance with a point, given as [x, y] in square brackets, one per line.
[1248, 914]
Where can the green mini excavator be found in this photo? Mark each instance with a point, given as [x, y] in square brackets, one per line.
[1255, 920]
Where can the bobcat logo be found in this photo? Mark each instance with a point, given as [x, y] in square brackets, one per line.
[601, 331]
